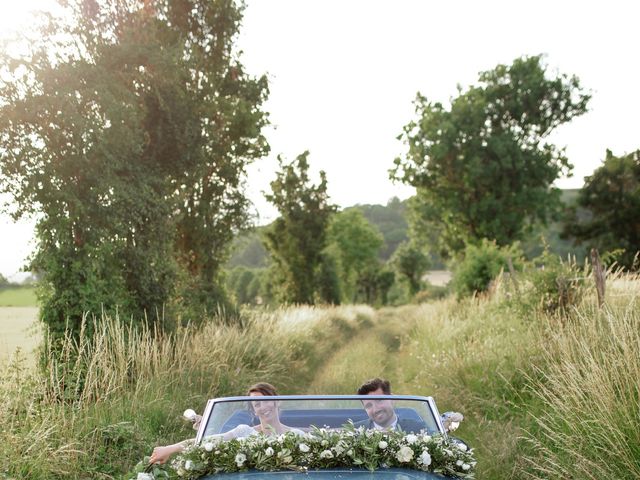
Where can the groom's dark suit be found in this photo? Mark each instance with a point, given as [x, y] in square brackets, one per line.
[408, 425]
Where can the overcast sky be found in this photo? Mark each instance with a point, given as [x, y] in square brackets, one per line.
[343, 75]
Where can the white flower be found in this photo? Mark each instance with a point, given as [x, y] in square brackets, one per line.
[405, 454]
[411, 439]
[145, 476]
[324, 443]
[466, 466]
[462, 446]
[426, 438]
[181, 472]
[425, 459]
[304, 448]
[326, 454]
[268, 452]
[350, 453]
[208, 447]
[188, 465]
[459, 463]
[382, 445]
[240, 459]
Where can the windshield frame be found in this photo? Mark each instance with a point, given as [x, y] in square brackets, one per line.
[212, 402]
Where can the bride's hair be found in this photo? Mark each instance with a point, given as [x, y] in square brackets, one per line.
[264, 388]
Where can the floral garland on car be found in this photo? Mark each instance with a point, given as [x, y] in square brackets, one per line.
[320, 449]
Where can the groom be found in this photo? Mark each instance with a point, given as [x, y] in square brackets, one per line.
[382, 415]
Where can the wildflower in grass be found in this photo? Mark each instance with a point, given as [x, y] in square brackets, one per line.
[208, 447]
[411, 439]
[382, 444]
[304, 448]
[268, 452]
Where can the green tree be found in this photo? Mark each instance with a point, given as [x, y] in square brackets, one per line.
[329, 289]
[411, 263]
[127, 126]
[390, 219]
[484, 167]
[481, 264]
[611, 200]
[297, 238]
[355, 243]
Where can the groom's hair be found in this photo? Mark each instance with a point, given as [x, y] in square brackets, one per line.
[373, 385]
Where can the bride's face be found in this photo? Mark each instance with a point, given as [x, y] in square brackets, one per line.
[265, 410]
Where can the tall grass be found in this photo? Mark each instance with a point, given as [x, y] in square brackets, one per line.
[591, 386]
[471, 356]
[103, 403]
[545, 395]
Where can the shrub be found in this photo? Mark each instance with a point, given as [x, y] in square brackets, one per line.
[556, 285]
[430, 293]
[481, 264]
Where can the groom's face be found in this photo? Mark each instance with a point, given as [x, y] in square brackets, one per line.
[380, 411]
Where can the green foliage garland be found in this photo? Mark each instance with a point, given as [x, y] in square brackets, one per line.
[323, 448]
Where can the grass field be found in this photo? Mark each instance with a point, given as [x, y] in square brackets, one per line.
[18, 297]
[19, 329]
[544, 396]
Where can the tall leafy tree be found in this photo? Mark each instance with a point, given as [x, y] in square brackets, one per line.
[126, 127]
[297, 238]
[411, 263]
[484, 167]
[610, 204]
[355, 243]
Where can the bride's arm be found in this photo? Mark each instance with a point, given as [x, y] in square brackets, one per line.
[162, 453]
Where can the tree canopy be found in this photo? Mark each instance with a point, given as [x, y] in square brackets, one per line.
[355, 244]
[297, 238]
[611, 198]
[411, 263]
[484, 167]
[127, 127]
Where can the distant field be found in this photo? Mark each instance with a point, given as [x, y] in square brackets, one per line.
[18, 328]
[18, 297]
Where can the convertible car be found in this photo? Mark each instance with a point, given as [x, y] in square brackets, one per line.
[331, 437]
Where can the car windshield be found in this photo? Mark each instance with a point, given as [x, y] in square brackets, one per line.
[304, 413]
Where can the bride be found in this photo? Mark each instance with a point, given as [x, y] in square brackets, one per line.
[267, 413]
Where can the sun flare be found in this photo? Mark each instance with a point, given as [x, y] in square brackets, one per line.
[14, 16]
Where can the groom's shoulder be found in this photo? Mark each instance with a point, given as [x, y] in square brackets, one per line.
[410, 425]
